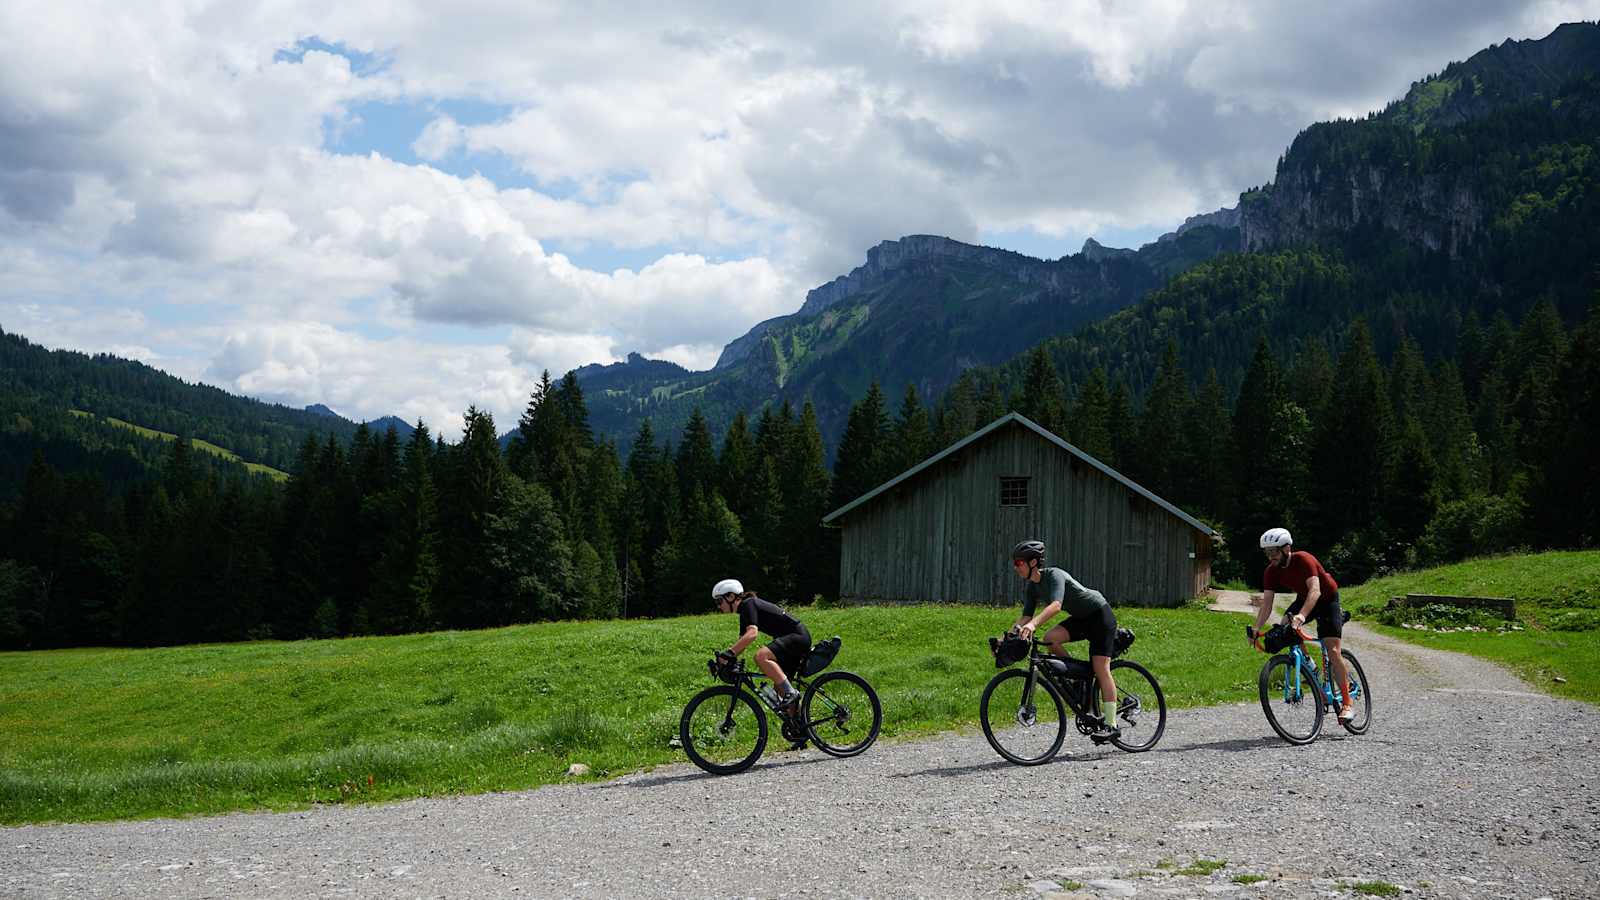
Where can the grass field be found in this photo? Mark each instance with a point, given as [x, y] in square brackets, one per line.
[1558, 605]
[207, 446]
[103, 734]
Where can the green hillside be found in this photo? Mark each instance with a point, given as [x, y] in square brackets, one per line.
[1557, 644]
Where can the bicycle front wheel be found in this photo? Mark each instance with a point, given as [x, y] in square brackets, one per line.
[1023, 718]
[723, 730]
[1141, 707]
[1361, 693]
[842, 713]
[1292, 700]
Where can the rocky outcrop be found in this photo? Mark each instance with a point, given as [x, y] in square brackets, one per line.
[1431, 211]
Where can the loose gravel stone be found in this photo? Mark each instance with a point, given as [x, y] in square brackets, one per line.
[1466, 786]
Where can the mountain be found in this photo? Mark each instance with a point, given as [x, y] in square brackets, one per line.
[317, 409]
[1477, 193]
[919, 311]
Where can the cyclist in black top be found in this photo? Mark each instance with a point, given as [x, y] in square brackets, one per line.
[790, 640]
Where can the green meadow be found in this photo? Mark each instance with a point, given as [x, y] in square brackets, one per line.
[206, 446]
[1557, 597]
[96, 734]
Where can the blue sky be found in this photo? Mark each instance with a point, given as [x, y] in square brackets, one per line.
[391, 210]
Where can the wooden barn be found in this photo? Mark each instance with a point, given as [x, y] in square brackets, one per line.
[942, 531]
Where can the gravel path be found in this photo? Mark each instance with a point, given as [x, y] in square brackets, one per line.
[1468, 785]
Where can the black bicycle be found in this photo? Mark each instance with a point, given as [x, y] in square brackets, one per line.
[1024, 711]
[724, 731]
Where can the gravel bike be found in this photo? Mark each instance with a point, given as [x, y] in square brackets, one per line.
[1024, 711]
[1296, 692]
[724, 731]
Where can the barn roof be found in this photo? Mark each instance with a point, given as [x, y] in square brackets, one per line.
[989, 429]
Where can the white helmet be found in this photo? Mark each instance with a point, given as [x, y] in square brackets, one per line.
[727, 586]
[1275, 537]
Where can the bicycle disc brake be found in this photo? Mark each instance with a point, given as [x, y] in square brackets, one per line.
[1027, 716]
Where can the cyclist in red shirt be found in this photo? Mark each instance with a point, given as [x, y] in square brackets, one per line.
[1316, 597]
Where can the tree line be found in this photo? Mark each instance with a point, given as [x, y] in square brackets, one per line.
[1378, 466]
[384, 535]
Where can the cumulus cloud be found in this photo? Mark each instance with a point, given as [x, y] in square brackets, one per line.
[183, 156]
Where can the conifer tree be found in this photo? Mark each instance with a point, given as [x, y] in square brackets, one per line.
[859, 466]
[736, 466]
[1091, 418]
[697, 460]
[805, 485]
[1043, 396]
[1354, 444]
[1122, 426]
[912, 439]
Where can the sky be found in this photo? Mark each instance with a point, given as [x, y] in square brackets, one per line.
[401, 209]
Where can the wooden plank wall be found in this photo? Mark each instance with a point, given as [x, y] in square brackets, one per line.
[943, 536]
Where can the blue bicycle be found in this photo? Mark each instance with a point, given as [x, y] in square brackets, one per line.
[1296, 692]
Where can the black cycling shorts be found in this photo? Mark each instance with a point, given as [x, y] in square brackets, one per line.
[791, 650]
[1328, 615]
[1099, 628]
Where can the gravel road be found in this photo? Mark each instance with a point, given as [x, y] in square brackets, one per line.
[1468, 785]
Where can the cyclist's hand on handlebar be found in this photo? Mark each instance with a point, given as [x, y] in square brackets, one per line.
[1026, 631]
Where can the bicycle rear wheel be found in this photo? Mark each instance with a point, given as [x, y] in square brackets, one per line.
[1024, 726]
[722, 730]
[1361, 693]
[842, 713]
[1141, 707]
[1293, 704]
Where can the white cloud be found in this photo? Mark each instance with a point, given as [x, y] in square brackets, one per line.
[170, 156]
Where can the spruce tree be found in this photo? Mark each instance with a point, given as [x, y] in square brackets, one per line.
[859, 465]
[912, 440]
[1091, 417]
[1354, 444]
[1043, 395]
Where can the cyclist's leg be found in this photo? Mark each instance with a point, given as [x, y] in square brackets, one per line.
[1330, 631]
[1057, 639]
[1102, 635]
[767, 661]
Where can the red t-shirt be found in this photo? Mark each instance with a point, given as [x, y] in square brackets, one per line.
[1293, 577]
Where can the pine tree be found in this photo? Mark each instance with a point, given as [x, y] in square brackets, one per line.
[805, 485]
[912, 440]
[859, 466]
[1043, 395]
[1122, 426]
[1161, 457]
[697, 460]
[1091, 418]
[958, 415]
[1354, 444]
[736, 466]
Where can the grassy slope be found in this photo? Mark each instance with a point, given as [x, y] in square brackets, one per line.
[1545, 586]
[207, 446]
[100, 734]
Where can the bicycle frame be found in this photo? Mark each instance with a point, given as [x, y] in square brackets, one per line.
[1292, 688]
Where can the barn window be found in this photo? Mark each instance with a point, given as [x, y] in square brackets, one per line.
[1013, 492]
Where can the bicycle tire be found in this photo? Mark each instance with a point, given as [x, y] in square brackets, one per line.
[1358, 685]
[1134, 707]
[703, 738]
[840, 709]
[1273, 690]
[1012, 712]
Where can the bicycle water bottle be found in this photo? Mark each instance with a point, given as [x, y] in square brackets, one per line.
[769, 696]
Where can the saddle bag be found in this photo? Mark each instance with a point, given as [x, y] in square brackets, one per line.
[821, 656]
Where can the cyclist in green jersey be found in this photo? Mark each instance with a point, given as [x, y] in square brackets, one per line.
[1089, 618]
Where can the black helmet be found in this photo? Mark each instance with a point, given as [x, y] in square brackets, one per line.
[1028, 551]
